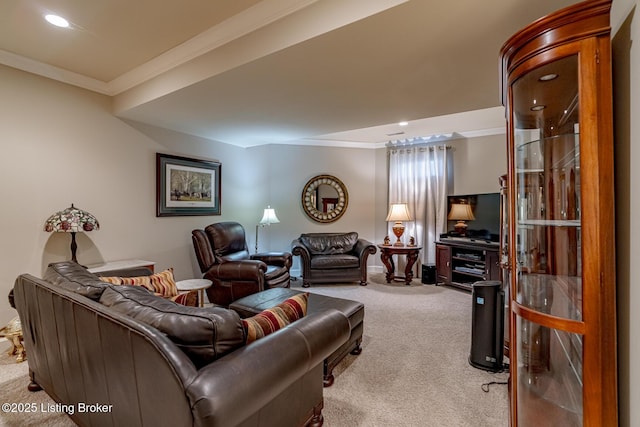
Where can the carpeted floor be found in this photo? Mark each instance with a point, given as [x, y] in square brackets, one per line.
[413, 370]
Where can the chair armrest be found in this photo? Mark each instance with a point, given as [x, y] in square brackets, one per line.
[299, 347]
[282, 259]
[244, 270]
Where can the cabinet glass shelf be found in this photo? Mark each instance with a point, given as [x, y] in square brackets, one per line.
[550, 222]
[549, 374]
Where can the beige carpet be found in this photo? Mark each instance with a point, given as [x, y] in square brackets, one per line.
[413, 370]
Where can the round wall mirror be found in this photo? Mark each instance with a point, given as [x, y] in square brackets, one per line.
[324, 198]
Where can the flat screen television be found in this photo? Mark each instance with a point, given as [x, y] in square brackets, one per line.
[486, 209]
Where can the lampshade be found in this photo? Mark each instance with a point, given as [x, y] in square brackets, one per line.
[461, 211]
[71, 220]
[269, 216]
[399, 212]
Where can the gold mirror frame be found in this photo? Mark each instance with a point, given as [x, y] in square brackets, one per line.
[309, 194]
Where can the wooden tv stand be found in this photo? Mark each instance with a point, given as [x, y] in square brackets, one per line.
[462, 262]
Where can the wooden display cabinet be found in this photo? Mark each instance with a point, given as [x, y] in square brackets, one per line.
[561, 264]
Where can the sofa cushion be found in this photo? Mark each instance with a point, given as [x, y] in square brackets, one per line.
[334, 261]
[329, 243]
[272, 319]
[203, 333]
[161, 283]
[75, 278]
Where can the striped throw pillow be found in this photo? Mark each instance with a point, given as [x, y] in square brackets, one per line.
[275, 318]
[161, 283]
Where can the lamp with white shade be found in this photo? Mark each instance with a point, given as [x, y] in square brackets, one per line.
[398, 212]
[461, 212]
[268, 217]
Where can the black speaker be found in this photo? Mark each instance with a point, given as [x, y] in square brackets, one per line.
[487, 326]
[428, 274]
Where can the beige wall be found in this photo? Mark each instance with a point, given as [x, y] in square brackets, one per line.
[626, 68]
[62, 145]
[478, 163]
[289, 169]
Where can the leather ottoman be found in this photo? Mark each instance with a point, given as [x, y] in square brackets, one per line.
[254, 304]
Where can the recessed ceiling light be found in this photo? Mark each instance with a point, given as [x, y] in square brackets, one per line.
[538, 107]
[56, 20]
[548, 77]
[403, 123]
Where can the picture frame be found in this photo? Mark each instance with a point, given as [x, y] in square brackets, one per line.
[186, 186]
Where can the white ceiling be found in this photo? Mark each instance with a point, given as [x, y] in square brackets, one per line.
[251, 72]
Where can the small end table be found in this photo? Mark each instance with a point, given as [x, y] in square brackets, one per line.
[195, 285]
[122, 264]
[386, 255]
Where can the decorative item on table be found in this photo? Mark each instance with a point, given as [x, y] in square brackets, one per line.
[13, 333]
[398, 212]
[387, 241]
[412, 241]
[461, 212]
[268, 217]
[72, 220]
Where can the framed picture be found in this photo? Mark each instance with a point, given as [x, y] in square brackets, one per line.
[187, 186]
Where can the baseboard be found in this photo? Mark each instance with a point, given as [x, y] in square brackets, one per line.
[296, 273]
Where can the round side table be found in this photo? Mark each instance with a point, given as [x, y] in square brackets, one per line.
[386, 255]
[195, 285]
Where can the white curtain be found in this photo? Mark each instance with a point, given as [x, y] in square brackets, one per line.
[418, 176]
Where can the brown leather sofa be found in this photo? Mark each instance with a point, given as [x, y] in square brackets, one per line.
[224, 258]
[91, 343]
[332, 257]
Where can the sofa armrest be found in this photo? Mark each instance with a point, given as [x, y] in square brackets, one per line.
[245, 270]
[298, 248]
[281, 259]
[363, 249]
[257, 376]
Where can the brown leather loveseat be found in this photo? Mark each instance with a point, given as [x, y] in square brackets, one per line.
[332, 257]
[149, 361]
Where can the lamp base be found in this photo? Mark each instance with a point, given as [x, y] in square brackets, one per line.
[398, 230]
[460, 228]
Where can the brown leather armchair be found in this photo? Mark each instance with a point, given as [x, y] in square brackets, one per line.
[224, 258]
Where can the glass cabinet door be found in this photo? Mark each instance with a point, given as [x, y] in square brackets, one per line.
[546, 153]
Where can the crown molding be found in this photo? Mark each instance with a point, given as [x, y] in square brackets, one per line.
[35, 67]
[260, 15]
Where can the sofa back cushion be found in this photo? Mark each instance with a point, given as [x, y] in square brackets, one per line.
[203, 333]
[75, 278]
[329, 243]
